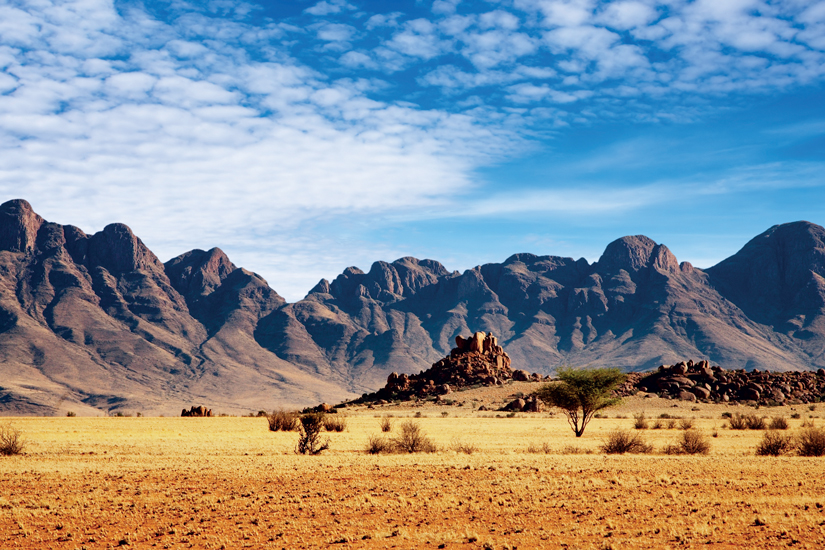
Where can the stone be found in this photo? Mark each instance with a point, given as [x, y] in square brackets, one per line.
[700, 392]
[687, 396]
[521, 375]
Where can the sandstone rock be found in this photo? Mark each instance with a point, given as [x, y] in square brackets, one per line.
[700, 392]
[687, 396]
[521, 375]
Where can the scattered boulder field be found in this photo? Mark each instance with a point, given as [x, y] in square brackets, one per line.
[480, 361]
[699, 381]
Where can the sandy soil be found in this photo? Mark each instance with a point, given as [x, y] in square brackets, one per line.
[230, 483]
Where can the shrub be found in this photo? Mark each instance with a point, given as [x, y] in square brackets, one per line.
[11, 440]
[657, 425]
[335, 423]
[796, 416]
[378, 444]
[671, 424]
[539, 449]
[811, 442]
[691, 443]
[807, 423]
[778, 423]
[71, 414]
[413, 440]
[774, 443]
[640, 422]
[282, 420]
[686, 423]
[756, 422]
[461, 447]
[386, 424]
[621, 441]
[310, 442]
[726, 414]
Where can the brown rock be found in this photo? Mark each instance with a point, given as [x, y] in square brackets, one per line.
[521, 375]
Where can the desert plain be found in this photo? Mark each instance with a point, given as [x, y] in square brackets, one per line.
[527, 482]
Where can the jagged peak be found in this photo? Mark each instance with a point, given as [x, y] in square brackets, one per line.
[19, 225]
[119, 250]
[634, 253]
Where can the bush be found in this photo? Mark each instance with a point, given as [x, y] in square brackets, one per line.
[378, 444]
[386, 424]
[774, 443]
[620, 442]
[811, 442]
[657, 425]
[796, 415]
[640, 422]
[691, 443]
[539, 449]
[335, 423]
[756, 422]
[686, 423]
[310, 442]
[413, 440]
[71, 414]
[726, 415]
[738, 422]
[282, 420]
[461, 447]
[778, 423]
[11, 440]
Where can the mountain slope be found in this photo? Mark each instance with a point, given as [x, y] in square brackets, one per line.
[96, 323]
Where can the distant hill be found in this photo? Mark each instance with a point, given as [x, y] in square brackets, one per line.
[96, 323]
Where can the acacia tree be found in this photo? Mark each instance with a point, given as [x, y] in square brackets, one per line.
[580, 393]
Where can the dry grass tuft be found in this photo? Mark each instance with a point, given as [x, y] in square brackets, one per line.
[283, 421]
[335, 423]
[778, 423]
[692, 442]
[811, 442]
[774, 443]
[535, 448]
[413, 440]
[621, 441]
[640, 421]
[386, 424]
[378, 444]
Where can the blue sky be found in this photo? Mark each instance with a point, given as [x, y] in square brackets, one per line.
[303, 137]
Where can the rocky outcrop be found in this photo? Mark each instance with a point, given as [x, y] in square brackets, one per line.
[196, 411]
[701, 381]
[475, 361]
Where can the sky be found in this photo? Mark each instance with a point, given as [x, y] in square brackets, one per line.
[303, 137]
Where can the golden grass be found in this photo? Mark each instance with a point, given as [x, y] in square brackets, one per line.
[232, 483]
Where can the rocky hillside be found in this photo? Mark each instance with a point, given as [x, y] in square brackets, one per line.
[96, 323]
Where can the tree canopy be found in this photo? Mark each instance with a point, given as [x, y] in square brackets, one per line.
[580, 393]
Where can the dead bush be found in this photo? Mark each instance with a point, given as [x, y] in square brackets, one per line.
[11, 440]
[686, 423]
[335, 423]
[535, 448]
[378, 444]
[310, 442]
[386, 424]
[774, 443]
[621, 441]
[738, 422]
[778, 423]
[413, 440]
[811, 442]
[281, 420]
[640, 422]
[756, 422]
[692, 442]
[462, 447]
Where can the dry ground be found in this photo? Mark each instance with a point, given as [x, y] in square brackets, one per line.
[230, 483]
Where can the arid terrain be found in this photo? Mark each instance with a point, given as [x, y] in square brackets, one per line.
[228, 482]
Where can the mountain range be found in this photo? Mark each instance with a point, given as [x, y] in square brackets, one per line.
[97, 324]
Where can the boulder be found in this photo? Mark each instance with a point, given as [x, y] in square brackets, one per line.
[521, 375]
[687, 396]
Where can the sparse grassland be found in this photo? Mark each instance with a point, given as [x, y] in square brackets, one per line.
[230, 482]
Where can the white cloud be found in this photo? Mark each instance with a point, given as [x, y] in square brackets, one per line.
[327, 8]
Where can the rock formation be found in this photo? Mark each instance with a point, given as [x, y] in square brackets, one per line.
[699, 381]
[196, 411]
[477, 360]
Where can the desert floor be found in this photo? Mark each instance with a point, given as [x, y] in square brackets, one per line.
[230, 483]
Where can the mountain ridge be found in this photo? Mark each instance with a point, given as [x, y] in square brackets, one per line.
[97, 323]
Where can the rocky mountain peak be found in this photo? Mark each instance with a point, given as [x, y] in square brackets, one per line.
[634, 253]
[18, 226]
[119, 250]
[199, 272]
